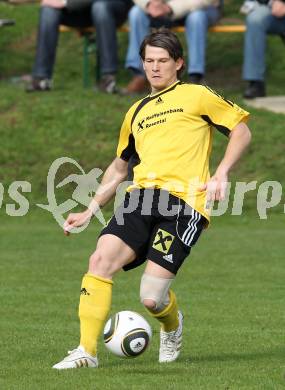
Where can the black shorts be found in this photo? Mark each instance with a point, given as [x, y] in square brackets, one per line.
[157, 226]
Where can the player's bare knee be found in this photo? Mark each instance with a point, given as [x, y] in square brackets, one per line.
[150, 304]
[99, 265]
[94, 260]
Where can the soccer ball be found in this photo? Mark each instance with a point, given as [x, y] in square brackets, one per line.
[127, 334]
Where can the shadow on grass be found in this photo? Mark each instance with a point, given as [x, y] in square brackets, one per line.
[138, 367]
[277, 353]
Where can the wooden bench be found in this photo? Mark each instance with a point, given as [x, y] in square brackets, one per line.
[226, 25]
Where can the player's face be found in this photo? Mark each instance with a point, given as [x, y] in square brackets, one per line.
[160, 68]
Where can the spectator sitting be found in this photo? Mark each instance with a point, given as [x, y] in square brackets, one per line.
[105, 15]
[263, 19]
[196, 15]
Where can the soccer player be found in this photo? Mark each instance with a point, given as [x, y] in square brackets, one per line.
[165, 209]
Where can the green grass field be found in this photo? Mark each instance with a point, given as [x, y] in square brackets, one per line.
[231, 289]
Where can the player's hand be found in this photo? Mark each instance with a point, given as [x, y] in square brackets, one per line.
[76, 220]
[54, 3]
[157, 9]
[278, 9]
[216, 187]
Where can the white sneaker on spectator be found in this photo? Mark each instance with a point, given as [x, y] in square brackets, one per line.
[77, 358]
[170, 342]
[39, 85]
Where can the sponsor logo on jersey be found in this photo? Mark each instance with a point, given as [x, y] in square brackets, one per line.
[140, 125]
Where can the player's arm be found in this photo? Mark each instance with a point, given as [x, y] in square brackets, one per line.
[113, 176]
[240, 137]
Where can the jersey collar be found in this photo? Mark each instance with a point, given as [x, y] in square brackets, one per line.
[170, 87]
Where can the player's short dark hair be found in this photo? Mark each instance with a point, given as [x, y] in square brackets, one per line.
[167, 40]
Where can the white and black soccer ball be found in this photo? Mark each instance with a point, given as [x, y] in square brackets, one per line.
[127, 334]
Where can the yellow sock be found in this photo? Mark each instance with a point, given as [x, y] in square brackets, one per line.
[94, 306]
[168, 317]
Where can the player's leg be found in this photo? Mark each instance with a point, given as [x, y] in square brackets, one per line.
[161, 304]
[169, 245]
[96, 290]
[95, 298]
[156, 296]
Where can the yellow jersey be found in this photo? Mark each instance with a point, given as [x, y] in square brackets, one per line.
[171, 132]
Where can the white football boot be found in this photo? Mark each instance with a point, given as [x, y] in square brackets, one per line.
[170, 343]
[77, 358]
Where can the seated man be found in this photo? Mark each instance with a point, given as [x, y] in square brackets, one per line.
[196, 15]
[78, 13]
[262, 20]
